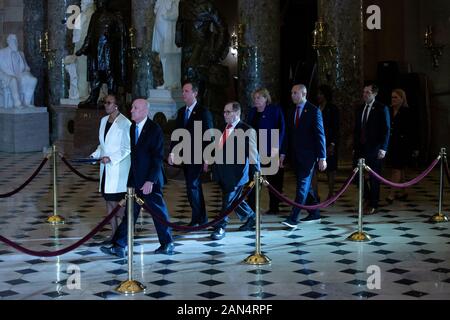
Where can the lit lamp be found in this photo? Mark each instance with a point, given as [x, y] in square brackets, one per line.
[44, 49]
[234, 44]
[322, 44]
[435, 49]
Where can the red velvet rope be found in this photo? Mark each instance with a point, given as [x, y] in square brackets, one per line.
[78, 173]
[77, 244]
[324, 204]
[6, 195]
[446, 170]
[227, 212]
[405, 184]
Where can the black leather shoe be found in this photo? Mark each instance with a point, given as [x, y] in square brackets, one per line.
[218, 234]
[114, 251]
[248, 225]
[165, 249]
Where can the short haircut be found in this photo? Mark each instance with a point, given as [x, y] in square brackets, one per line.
[195, 86]
[375, 88]
[302, 87]
[235, 105]
[264, 93]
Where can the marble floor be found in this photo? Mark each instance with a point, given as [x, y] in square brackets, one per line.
[314, 262]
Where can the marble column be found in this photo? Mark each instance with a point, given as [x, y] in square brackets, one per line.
[344, 70]
[60, 41]
[34, 25]
[259, 48]
[143, 20]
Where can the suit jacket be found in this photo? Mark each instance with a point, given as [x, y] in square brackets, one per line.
[199, 113]
[330, 116]
[116, 146]
[147, 156]
[305, 144]
[272, 118]
[234, 171]
[377, 130]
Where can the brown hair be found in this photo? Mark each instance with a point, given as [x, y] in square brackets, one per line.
[264, 93]
[402, 94]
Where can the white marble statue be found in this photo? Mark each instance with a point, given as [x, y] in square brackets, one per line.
[166, 12]
[21, 82]
[79, 34]
[71, 68]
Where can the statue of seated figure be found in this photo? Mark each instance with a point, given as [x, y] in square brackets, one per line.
[15, 74]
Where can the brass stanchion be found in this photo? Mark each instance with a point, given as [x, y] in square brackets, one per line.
[440, 217]
[257, 258]
[360, 235]
[55, 218]
[130, 286]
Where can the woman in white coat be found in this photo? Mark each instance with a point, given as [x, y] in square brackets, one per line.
[114, 152]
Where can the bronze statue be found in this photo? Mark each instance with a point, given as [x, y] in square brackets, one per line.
[105, 46]
[203, 35]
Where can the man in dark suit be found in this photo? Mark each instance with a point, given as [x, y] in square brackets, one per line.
[189, 116]
[237, 161]
[371, 138]
[305, 147]
[146, 177]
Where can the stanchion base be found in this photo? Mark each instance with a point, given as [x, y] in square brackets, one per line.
[359, 237]
[257, 259]
[439, 218]
[130, 287]
[55, 220]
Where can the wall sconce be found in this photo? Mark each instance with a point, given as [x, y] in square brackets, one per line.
[436, 50]
[234, 43]
[323, 45]
[44, 49]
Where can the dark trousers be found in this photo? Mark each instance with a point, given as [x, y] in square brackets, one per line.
[305, 193]
[194, 191]
[156, 203]
[243, 210]
[276, 181]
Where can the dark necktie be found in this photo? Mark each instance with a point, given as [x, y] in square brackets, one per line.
[136, 135]
[297, 116]
[186, 117]
[363, 138]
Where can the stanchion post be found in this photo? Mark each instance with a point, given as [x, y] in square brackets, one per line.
[441, 217]
[360, 235]
[130, 286]
[257, 258]
[55, 218]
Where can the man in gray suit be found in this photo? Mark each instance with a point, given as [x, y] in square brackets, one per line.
[237, 161]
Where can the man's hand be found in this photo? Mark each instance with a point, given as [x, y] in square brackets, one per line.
[322, 165]
[282, 157]
[105, 160]
[147, 188]
[170, 159]
[381, 154]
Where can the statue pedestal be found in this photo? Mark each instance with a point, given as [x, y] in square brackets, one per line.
[164, 101]
[63, 119]
[70, 102]
[24, 130]
[87, 123]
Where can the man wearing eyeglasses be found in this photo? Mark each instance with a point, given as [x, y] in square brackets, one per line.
[237, 161]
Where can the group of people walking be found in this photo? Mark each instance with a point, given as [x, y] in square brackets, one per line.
[131, 154]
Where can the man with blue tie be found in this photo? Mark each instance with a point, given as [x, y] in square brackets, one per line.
[146, 177]
[371, 139]
[189, 115]
[305, 147]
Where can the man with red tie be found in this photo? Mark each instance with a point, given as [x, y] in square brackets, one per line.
[305, 147]
[371, 138]
[236, 162]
